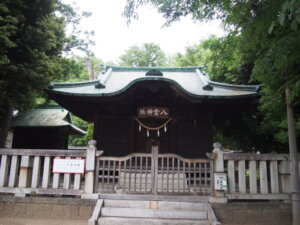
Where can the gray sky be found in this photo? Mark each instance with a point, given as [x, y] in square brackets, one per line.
[113, 36]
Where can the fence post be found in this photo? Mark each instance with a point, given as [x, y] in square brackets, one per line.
[154, 168]
[218, 156]
[24, 175]
[90, 170]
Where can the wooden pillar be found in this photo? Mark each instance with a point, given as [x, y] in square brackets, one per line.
[231, 176]
[253, 178]
[263, 177]
[90, 167]
[14, 170]
[154, 168]
[24, 175]
[24, 171]
[3, 170]
[218, 156]
[274, 177]
[67, 179]
[284, 176]
[36, 172]
[46, 172]
[242, 177]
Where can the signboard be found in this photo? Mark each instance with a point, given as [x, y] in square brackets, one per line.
[153, 112]
[220, 181]
[68, 165]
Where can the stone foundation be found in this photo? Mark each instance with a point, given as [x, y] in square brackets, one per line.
[47, 208]
[254, 213]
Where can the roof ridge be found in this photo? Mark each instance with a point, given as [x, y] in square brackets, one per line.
[73, 84]
[249, 87]
[170, 69]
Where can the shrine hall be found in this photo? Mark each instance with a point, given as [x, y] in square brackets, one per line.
[134, 107]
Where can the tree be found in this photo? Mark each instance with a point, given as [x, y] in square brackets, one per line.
[32, 39]
[81, 141]
[222, 58]
[149, 54]
[75, 69]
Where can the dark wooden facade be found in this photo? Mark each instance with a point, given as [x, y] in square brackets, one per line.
[188, 137]
[46, 127]
[111, 103]
[41, 138]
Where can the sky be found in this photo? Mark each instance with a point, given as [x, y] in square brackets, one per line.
[113, 36]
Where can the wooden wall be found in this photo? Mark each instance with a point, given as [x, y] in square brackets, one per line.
[194, 137]
[119, 135]
[40, 138]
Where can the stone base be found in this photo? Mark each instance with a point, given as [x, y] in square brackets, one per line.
[89, 196]
[46, 208]
[218, 200]
[254, 213]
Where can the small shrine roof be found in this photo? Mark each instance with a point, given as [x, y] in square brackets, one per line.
[192, 81]
[47, 116]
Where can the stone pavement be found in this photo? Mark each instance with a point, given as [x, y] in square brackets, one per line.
[38, 221]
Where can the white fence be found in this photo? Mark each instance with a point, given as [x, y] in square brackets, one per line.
[250, 176]
[30, 171]
[255, 176]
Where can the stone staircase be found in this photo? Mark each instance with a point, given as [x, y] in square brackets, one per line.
[141, 212]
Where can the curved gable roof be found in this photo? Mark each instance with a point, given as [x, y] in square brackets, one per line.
[190, 80]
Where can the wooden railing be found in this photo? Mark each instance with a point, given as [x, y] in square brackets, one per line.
[154, 173]
[250, 176]
[255, 176]
[25, 171]
[30, 172]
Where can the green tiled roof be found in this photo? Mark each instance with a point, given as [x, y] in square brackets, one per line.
[46, 116]
[192, 81]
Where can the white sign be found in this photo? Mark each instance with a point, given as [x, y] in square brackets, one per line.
[68, 165]
[153, 112]
[220, 181]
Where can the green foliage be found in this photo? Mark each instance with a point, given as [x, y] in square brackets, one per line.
[81, 141]
[32, 39]
[149, 55]
[76, 38]
[279, 68]
[74, 69]
[290, 9]
[222, 57]
[194, 55]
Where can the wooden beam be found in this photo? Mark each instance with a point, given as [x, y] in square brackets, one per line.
[43, 152]
[40, 191]
[253, 156]
[258, 196]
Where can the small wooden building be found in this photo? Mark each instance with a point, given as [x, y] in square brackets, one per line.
[132, 107]
[46, 127]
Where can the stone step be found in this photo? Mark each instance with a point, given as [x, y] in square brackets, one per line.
[154, 205]
[154, 213]
[148, 221]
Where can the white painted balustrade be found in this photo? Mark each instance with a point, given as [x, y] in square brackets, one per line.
[30, 171]
[257, 176]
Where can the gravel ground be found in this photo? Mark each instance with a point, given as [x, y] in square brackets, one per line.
[33, 221]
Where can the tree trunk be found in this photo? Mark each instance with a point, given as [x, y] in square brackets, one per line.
[294, 160]
[5, 124]
[89, 68]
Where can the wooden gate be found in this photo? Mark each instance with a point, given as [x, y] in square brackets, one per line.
[154, 174]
